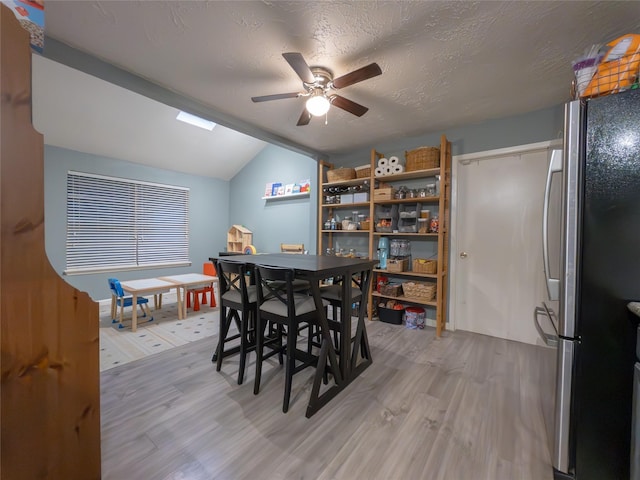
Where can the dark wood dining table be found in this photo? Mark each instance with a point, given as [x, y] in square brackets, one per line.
[354, 356]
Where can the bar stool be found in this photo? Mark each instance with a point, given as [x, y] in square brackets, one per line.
[333, 295]
[281, 306]
[237, 303]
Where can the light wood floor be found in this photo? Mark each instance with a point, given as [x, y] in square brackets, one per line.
[463, 407]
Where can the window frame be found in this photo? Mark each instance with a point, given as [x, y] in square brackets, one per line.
[94, 205]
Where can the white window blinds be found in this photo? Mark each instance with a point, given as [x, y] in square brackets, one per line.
[119, 224]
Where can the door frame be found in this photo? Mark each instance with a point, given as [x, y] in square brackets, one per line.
[465, 159]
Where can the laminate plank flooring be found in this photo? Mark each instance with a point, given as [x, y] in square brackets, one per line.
[462, 407]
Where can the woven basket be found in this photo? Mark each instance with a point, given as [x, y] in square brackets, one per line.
[424, 291]
[341, 174]
[363, 172]
[422, 158]
[397, 265]
[391, 290]
[423, 265]
[365, 225]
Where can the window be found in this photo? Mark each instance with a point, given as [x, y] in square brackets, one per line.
[120, 224]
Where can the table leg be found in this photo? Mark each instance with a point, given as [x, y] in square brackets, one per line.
[345, 321]
[361, 344]
[134, 313]
[181, 309]
[114, 307]
[327, 352]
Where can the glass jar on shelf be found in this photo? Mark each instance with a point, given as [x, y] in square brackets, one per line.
[401, 193]
[404, 248]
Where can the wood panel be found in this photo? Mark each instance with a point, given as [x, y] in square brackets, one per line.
[50, 404]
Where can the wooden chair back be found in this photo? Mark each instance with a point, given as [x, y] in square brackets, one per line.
[292, 247]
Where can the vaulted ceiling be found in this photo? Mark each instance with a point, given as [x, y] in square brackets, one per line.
[444, 64]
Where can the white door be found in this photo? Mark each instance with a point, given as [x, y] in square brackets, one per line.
[499, 276]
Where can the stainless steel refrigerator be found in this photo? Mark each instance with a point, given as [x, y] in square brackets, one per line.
[592, 272]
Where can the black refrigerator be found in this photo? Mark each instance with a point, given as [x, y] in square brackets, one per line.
[593, 335]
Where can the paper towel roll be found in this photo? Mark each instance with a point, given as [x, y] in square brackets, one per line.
[393, 161]
[388, 170]
[398, 169]
[379, 171]
[383, 162]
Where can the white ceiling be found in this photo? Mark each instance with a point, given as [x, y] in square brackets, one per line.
[444, 64]
[81, 112]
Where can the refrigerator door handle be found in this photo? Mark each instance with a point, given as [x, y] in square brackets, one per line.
[553, 284]
[549, 339]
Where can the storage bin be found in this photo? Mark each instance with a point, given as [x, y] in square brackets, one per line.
[346, 198]
[391, 290]
[360, 197]
[389, 315]
[383, 193]
[363, 171]
[407, 226]
[409, 210]
[419, 290]
[422, 158]
[424, 265]
[339, 174]
[386, 218]
[397, 264]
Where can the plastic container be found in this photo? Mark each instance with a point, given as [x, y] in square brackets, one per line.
[414, 317]
[390, 315]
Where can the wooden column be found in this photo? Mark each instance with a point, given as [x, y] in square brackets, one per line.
[50, 390]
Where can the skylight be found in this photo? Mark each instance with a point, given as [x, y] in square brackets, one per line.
[195, 121]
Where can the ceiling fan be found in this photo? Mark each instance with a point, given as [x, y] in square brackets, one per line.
[318, 83]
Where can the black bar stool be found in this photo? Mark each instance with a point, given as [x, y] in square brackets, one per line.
[237, 303]
[281, 306]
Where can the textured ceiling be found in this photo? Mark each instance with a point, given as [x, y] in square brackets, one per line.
[444, 64]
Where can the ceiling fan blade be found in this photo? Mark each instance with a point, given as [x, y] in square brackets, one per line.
[304, 119]
[277, 96]
[348, 105]
[364, 73]
[297, 62]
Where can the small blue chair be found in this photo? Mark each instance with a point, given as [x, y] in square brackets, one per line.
[118, 299]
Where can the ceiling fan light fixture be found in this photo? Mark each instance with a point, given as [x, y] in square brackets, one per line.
[318, 104]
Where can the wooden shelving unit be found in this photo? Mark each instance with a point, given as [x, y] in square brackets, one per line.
[329, 238]
[441, 202]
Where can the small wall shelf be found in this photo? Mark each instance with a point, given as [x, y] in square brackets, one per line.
[282, 197]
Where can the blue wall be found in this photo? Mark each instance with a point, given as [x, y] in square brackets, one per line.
[208, 213]
[533, 127]
[275, 221]
[216, 204]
